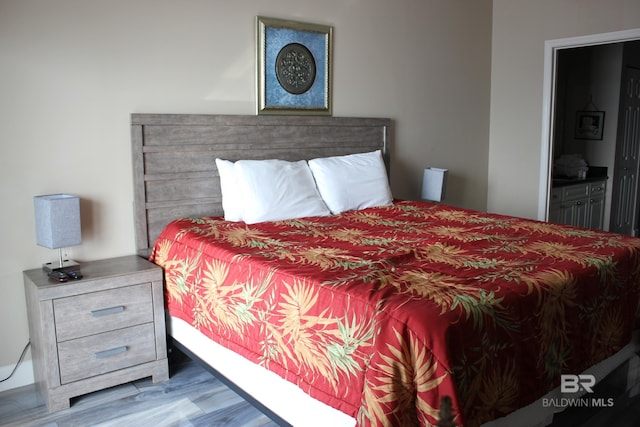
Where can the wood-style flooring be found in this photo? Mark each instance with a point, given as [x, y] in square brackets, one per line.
[194, 397]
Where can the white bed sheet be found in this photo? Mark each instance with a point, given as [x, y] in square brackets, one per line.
[296, 407]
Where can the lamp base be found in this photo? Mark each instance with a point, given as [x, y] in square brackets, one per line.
[55, 265]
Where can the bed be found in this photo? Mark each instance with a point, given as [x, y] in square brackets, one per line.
[372, 316]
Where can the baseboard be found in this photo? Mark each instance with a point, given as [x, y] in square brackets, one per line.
[23, 375]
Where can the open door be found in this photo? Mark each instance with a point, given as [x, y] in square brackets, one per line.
[552, 47]
[625, 203]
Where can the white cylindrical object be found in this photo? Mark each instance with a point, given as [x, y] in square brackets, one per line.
[434, 184]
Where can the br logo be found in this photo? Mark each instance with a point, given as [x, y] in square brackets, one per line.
[575, 383]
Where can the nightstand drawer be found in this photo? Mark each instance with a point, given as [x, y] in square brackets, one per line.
[96, 312]
[98, 354]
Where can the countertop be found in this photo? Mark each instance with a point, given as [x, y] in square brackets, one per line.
[563, 182]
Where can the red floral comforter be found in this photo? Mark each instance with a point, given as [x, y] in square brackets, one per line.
[382, 312]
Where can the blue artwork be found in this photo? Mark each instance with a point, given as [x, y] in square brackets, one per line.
[275, 94]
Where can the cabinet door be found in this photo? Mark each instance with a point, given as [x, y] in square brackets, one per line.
[580, 213]
[566, 213]
[555, 209]
[596, 213]
[574, 213]
[555, 213]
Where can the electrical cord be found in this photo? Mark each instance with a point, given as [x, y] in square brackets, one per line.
[19, 362]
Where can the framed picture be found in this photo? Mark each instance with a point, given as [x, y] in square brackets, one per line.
[293, 67]
[589, 124]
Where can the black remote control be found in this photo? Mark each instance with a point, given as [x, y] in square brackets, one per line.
[73, 274]
[58, 276]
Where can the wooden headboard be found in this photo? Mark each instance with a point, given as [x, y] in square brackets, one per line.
[174, 170]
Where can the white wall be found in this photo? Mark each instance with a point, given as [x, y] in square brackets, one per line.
[520, 29]
[72, 71]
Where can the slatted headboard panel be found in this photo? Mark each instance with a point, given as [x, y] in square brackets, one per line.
[174, 171]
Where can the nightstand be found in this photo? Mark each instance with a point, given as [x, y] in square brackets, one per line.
[105, 329]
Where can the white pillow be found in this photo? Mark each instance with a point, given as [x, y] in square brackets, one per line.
[274, 190]
[352, 182]
[231, 197]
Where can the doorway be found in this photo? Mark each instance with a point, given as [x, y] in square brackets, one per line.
[552, 49]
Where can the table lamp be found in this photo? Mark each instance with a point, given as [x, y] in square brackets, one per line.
[434, 184]
[57, 225]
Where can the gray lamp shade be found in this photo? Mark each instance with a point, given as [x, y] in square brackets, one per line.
[434, 184]
[57, 220]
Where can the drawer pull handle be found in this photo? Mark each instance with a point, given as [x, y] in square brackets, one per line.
[107, 311]
[111, 352]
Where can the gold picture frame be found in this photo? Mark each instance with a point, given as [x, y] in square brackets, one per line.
[294, 71]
